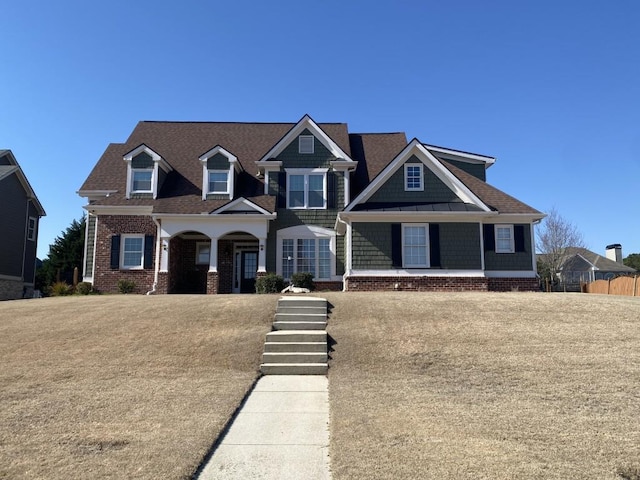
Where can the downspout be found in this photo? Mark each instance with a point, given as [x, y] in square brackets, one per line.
[158, 252]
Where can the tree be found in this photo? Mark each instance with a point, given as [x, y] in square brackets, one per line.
[65, 254]
[555, 238]
[632, 261]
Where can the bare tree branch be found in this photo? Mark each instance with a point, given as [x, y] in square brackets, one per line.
[555, 239]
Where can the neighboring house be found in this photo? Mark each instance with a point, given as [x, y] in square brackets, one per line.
[197, 207]
[20, 213]
[581, 265]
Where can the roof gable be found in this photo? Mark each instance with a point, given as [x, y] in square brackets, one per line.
[415, 149]
[10, 166]
[306, 123]
[243, 206]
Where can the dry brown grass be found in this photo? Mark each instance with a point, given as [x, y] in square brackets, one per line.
[495, 386]
[123, 386]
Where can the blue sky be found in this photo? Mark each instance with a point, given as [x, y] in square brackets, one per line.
[550, 88]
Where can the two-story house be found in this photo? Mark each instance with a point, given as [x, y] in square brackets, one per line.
[206, 207]
[20, 212]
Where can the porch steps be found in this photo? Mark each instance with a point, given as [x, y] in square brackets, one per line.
[298, 343]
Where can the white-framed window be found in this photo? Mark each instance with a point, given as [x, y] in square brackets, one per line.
[504, 239]
[141, 180]
[203, 251]
[305, 144]
[218, 181]
[132, 252]
[306, 249]
[415, 245]
[413, 177]
[307, 189]
[31, 228]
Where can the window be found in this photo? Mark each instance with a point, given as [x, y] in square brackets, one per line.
[306, 249]
[307, 189]
[132, 254]
[415, 247]
[141, 180]
[218, 181]
[413, 177]
[203, 250]
[504, 239]
[31, 229]
[305, 144]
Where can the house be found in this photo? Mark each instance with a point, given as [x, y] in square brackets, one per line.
[206, 207]
[20, 214]
[580, 265]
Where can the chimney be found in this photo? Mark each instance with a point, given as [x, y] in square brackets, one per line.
[614, 252]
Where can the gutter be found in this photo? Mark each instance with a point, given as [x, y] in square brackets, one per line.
[157, 262]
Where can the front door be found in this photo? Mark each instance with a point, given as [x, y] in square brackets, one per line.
[248, 269]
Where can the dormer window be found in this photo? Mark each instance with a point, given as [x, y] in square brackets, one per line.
[145, 172]
[305, 144]
[218, 181]
[219, 167]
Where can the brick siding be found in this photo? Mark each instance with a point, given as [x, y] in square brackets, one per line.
[440, 284]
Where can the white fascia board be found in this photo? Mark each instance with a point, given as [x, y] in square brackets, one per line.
[238, 201]
[587, 261]
[344, 165]
[432, 163]
[305, 122]
[459, 154]
[233, 160]
[498, 217]
[95, 194]
[119, 209]
[162, 163]
[417, 272]
[396, 216]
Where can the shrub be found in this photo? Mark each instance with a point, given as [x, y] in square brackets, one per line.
[303, 280]
[60, 289]
[84, 288]
[126, 286]
[270, 283]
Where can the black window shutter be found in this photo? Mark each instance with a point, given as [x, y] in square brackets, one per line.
[148, 251]
[518, 237]
[396, 245]
[331, 190]
[489, 238]
[434, 245]
[282, 190]
[115, 252]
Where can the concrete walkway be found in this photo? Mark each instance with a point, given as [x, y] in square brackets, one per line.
[281, 432]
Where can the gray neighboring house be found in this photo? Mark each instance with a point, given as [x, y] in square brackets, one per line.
[20, 212]
[582, 265]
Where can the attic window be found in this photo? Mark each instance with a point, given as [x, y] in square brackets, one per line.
[305, 144]
[413, 177]
[141, 180]
[218, 181]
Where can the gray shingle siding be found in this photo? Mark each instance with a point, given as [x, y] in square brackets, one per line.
[435, 190]
[371, 246]
[511, 261]
[477, 170]
[218, 162]
[142, 160]
[460, 246]
[13, 220]
[90, 245]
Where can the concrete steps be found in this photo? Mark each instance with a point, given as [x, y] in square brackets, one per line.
[298, 343]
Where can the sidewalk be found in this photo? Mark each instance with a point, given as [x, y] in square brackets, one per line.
[281, 432]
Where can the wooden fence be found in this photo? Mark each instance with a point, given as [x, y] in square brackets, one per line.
[629, 286]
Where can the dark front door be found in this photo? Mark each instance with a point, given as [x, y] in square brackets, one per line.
[248, 269]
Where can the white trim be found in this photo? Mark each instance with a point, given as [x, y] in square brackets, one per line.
[415, 273]
[308, 232]
[158, 162]
[306, 172]
[119, 209]
[34, 232]
[227, 190]
[432, 163]
[124, 237]
[419, 188]
[305, 123]
[234, 167]
[512, 241]
[463, 156]
[241, 200]
[427, 246]
[132, 172]
[303, 144]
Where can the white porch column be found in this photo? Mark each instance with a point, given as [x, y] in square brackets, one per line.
[262, 254]
[164, 256]
[213, 255]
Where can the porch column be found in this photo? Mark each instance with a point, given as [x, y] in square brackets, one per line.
[262, 254]
[213, 255]
[164, 254]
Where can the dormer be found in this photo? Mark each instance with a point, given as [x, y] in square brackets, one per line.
[219, 171]
[146, 171]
